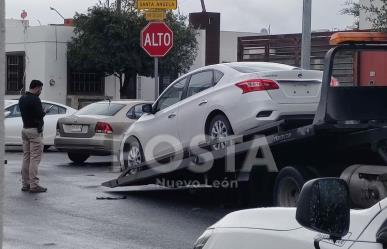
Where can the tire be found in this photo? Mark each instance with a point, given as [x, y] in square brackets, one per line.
[219, 127]
[133, 154]
[78, 158]
[288, 185]
[46, 147]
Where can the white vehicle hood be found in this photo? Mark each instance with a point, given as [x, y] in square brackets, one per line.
[284, 219]
[281, 219]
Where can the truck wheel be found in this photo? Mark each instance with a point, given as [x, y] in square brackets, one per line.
[133, 153]
[219, 128]
[78, 158]
[288, 185]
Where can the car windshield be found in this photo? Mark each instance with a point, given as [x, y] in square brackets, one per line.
[253, 68]
[103, 109]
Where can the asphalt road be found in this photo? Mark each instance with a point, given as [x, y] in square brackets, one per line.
[70, 216]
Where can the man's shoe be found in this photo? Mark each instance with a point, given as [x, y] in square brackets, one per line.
[25, 188]
[38, 189]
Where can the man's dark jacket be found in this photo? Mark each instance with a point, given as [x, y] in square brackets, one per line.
[31, 111]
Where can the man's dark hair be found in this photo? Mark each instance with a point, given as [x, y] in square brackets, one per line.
[35, 83]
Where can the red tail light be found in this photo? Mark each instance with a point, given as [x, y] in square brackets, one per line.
[257, 85]
[335, 82]
[103, 127]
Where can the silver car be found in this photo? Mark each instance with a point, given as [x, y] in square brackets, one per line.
[96, 129]
[218, 101]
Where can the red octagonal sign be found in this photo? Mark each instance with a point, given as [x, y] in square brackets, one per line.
[157, 39]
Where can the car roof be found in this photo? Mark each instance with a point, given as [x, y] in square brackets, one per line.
[9, 102]
[126, 102]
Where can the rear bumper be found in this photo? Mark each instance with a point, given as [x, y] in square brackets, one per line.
[277, 112]
[97, 145]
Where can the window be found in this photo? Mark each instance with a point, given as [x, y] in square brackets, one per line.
[103, 109]
[55, 110]
[200, 82]
[86, 83]
[135, 112]
[14, 111]
[171, 96]
[15, 73]
[218, 75]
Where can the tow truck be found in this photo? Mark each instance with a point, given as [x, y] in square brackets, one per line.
[346, 138]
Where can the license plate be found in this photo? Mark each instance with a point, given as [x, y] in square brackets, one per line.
[76, 128]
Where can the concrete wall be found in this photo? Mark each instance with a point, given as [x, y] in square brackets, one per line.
[229, 45]
[45, 55]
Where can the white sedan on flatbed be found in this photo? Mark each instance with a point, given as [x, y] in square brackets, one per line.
[326, 226]
[218, 101]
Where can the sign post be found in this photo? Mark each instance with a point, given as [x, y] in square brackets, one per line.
[157, 41]
[157, 92]
[156, 37]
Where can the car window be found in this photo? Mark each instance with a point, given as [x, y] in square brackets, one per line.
[104, 109]
[218, 75]
[171, 96]
[61, 110]
[14, 111]
[135, 112]
[53, 111]
[200, 82]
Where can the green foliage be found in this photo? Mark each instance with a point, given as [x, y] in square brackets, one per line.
[353, 9]
[107, 40]
[376, 12]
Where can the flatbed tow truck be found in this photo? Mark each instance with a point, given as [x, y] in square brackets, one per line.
[347, 137]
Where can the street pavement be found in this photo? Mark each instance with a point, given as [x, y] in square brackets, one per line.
[70, 216]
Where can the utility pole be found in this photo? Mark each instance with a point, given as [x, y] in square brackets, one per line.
[306, 34]
[203, 6]
[2, 92]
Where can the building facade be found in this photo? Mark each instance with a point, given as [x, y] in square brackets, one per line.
[40, 52]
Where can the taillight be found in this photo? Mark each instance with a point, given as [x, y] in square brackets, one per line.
[103, 127]
[257, 85]
[334, 82]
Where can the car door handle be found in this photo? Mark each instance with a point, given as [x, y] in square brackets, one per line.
[203, 102]
[172, 115]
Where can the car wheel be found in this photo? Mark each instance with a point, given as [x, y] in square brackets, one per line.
[219, 128]
[46, 147]
[78, 158]
[133, 154]
[288, 185]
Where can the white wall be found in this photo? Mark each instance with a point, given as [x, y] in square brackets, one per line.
[229, 45]
[45, 55]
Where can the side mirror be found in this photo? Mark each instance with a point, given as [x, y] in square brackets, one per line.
[6, 114]
[324, 206]
[147, 108]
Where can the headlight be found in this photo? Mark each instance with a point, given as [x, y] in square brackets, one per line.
[202, 240]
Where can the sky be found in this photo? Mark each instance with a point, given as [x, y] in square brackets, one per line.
[283, 16]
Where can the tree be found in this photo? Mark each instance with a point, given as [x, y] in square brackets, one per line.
[107, 40]
[376, 12]
[353, 9]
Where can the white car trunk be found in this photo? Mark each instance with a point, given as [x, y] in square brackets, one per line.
[295, 87]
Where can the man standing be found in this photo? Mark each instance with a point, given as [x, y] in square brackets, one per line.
[32, 134]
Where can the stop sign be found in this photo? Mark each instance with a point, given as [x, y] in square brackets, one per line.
[157, 39]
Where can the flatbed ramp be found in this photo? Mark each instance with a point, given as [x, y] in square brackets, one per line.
[330, 137]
